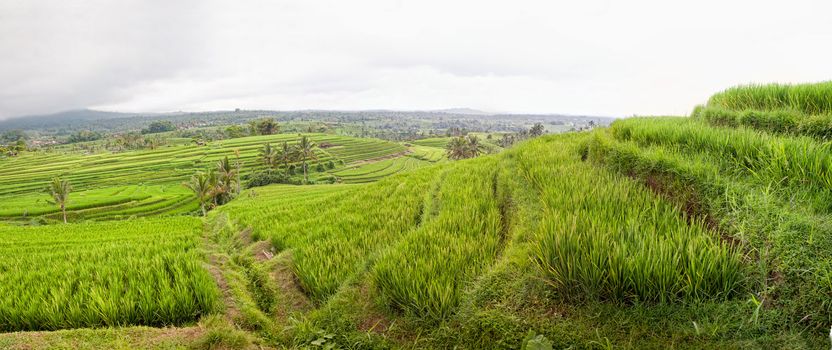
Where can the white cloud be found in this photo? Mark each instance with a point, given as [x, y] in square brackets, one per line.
[589, 57]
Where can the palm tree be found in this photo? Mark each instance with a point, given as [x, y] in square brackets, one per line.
[286, 154]
[267, 155]
[474, 147]
[202, 185]
[60, 192]
[306, 151]
[536, 130]
[457, 148]
[227, 181]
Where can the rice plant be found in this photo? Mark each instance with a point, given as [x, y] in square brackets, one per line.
[141, 272]
[98, 180]
[811, 99]
[332, 229]
[797, 160]
[606, 237]
[787, 122]
[425, 273]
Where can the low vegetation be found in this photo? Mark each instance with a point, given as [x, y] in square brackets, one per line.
[664, 232]
[141, 272]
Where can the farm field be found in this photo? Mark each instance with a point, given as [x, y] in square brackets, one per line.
[140, 272]
[436, 142]
[375, 171]
[430, 154]
[142, 183]
[710, 231]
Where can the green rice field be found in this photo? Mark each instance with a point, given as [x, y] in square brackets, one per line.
[712, 231]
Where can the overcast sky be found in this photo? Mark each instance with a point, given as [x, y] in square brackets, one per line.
[614, 58]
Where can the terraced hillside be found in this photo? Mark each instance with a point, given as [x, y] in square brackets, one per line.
[147, 182]
[445, 243]
[436, 142]
[369, 172]
[664, 232]
[745, 163]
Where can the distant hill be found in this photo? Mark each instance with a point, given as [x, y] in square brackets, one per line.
[468, 111]
[64, 123]
[49, 121]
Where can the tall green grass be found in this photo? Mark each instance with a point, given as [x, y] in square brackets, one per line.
[422, 237]
[332, 230]
[784, 222]
[786, 122]
[605, 237]
[796, 160]
[141, 272]
[811, 99]
[424, 275]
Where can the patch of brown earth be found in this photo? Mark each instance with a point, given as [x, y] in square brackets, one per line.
[214, 268]
[292, 296]
[185, 334]
[263, 251]
[130, 337]
[373, 320]
[245, 236]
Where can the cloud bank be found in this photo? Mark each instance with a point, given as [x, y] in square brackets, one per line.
[590, 57]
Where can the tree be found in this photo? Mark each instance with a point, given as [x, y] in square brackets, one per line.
[264, 126]
[536, 130]
[13, 136]
[235, 131]
[84, 136]
[159, 126]
[463, 147]
[507, 140]
[14, 149]
[457, 148]
[227, 182]
[267, 155]
[60, 193]
[306, 152]
[202, 184]
[474, 147]
[286, 154]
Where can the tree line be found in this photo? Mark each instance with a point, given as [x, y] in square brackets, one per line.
[469, 146]
[303, 151]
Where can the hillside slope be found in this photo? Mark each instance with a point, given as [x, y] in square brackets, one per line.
[528, 240]
[709, 232]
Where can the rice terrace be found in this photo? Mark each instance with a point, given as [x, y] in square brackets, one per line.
[299, 175]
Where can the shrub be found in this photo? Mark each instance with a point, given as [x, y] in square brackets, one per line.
[263, 178]
[328, 179]
[159, 126]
